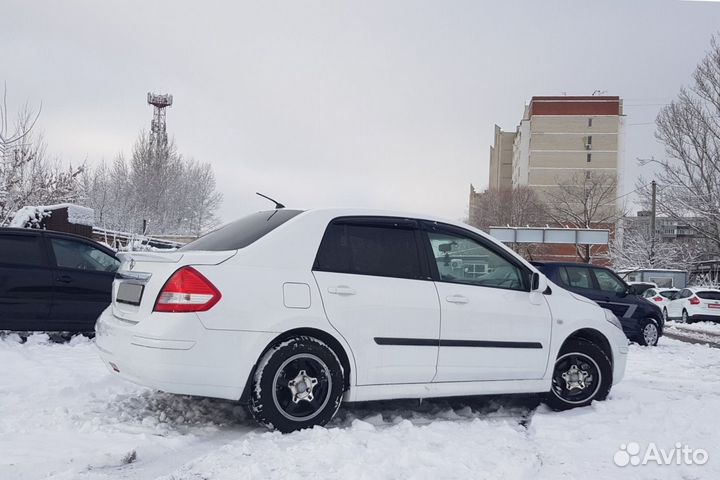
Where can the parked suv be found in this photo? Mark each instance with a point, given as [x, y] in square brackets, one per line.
[642, 321]
[52, 281]
[294, 312]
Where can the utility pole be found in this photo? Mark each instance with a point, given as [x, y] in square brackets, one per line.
[653, 190]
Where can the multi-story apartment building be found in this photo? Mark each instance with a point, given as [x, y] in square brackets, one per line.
[557, 139]
[559, 136]
[561, 140]
[501, 160]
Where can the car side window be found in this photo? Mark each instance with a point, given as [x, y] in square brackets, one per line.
[563, 276]
[649, 293]
[21, 250]
[384, 251]
[81, 256]
[686, 293]
[608, 282]
[461, 259]
[579, 277]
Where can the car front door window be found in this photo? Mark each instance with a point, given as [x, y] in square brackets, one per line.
[464, 260]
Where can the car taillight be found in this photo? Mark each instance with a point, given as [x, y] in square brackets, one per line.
[187, 290]
[694, 301]
[658, 298]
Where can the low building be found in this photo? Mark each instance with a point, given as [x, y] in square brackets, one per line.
[79, 220]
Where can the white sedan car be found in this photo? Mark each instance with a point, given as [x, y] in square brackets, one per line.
[295, 311]
[694, 304]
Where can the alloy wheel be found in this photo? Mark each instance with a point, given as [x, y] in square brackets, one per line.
[650, 333]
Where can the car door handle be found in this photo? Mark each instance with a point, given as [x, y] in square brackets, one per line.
[342, 290]
[64, 278]
[457, 299]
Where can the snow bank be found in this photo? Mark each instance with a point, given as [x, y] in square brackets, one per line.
[33, 215]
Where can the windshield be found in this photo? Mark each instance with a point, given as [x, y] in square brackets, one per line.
[242, 232]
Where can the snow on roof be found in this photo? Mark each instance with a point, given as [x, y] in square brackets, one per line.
[33, 214]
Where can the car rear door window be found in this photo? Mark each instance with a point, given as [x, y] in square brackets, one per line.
[21, 250]
[387, 251]
[82, 256]
[608, 282]
[579, 277]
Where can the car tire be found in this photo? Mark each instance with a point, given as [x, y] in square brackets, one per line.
[685, 317]
[582, 373]
[298, 383]
[649, 333]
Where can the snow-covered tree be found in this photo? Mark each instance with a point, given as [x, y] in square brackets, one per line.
[173, 195]
[28, 176]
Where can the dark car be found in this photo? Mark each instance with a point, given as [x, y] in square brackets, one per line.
[52, 281]
[642, 321]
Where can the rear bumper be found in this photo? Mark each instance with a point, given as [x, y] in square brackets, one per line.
[703, 317]
[174, 353]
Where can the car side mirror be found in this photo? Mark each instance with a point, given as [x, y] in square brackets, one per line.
[631, 290]
[538, 282]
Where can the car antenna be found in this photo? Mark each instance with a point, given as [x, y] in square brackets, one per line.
[278, 205]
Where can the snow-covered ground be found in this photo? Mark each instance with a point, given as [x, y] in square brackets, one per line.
[63, 416]
[703, 332]
[702, 327]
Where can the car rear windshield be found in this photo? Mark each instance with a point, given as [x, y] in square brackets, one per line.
[243, 232]
[709, 295]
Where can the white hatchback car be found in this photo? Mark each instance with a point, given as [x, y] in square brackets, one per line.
[660, 296]
[694, 304]
[295, 311]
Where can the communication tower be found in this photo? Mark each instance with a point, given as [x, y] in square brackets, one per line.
[158, 130]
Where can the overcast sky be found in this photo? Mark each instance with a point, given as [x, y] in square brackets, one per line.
[387, 104]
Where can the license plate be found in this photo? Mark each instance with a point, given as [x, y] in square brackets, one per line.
[714, 305]
[130, 293]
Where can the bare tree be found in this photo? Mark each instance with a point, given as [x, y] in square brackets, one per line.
[27, 175]
[689, 128]
[517, 206]
[587, 199]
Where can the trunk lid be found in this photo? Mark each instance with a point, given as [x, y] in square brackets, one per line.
[142, 275]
